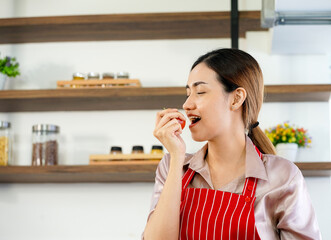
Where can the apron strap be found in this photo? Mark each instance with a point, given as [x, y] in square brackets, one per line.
[249, 188]
[188, 175]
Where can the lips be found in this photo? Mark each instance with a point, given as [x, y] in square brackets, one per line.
[194, 119]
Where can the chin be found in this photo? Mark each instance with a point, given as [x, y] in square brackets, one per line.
[199, 138]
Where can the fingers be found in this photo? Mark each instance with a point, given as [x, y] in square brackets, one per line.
[166, 115]
[168, 128]
[160, 114]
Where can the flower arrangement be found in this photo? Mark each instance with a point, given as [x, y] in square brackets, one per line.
[286, 133]
[9, 67]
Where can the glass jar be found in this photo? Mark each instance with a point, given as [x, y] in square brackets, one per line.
[157, 149]
[78, 76]
[137, 149]
[93, 75]
[108, 75]
[45, 144]
[115, 150]
[122, 75]
[5, 143]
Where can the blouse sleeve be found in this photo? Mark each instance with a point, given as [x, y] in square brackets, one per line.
[160, 178]
[295, 213]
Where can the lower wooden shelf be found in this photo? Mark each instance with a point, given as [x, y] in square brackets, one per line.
[315, 169]
[118, 171]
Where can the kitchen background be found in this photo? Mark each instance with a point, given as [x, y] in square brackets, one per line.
[119, 210]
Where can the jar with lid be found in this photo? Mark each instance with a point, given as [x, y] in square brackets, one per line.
[122, 75]
[45, 144]
[93, 75]
[115, 150]
[5, 143]
[78, 76]
[137, 149]
[108, 75]
[157, 149]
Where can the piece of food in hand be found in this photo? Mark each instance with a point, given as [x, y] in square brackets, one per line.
[181, 122]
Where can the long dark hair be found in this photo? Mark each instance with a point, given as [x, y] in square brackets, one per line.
[236, 68]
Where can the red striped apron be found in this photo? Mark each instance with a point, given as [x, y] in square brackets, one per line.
[212, 214]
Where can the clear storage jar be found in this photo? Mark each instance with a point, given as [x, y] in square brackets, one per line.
[45, 144]
[5, 143]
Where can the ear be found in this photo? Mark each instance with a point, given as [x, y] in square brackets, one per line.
[238, 97]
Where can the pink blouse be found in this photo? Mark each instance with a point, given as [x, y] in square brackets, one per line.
[283, 208]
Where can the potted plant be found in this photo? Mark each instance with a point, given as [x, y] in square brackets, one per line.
[8, 68]
[287, 138]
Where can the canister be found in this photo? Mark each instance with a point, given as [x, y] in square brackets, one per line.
[45, 145]
[116, 150]
[78, 76]
[93, 75]
[122, 75]
[108, 75]
[157, 149]
[137, 149]
[5, 143]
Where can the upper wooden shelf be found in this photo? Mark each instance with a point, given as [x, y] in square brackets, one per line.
[126, 171]
[298, 93]
[136, 98]
[183, 25]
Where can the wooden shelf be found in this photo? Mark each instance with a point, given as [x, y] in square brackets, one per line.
[315, 169]
[184, 25]
[298, 93]
[126, 171]
[135, 171]
[136, 98]
[91, 99]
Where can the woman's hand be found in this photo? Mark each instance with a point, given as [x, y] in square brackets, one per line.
[167, 131]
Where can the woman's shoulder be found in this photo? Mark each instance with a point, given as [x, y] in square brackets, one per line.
[279, 168]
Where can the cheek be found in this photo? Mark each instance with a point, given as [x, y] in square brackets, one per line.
[218, 116]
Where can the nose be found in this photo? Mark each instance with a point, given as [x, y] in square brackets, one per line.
[189, 104]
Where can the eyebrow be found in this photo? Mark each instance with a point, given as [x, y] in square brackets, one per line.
[196, 84]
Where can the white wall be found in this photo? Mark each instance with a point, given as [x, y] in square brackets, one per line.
[119, 211]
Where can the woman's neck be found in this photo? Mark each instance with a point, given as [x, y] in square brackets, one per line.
[228, 151]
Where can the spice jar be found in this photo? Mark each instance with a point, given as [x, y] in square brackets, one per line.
[93, 75]
[157, 149]
[116, 150]
[137, 149]
[78, 76]
[108, 75]
[5, 143]
[45, 144]
[123, 75]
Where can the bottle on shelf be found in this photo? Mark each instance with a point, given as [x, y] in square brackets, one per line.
[45, 144]
[5, 143]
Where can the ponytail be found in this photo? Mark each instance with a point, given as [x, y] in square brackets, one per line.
[261, 141]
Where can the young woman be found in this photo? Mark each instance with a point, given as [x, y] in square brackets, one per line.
[235, 187]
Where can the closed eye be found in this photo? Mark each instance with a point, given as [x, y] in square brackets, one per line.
[201, 93]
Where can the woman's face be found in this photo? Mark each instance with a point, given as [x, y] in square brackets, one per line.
[207, 105]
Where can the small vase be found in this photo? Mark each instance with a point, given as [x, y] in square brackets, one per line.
[287, 150]
[3, 79]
